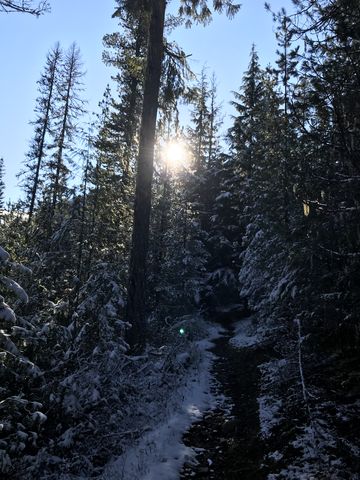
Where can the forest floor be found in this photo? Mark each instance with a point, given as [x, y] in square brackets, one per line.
[227, 440]
[233, 419]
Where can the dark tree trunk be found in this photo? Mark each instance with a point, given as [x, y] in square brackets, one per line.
[140, 238]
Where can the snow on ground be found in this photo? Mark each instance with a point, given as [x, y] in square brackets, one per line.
[269, 414]
[4, 256]
[160, 453]
[246, 334]
[269, 405]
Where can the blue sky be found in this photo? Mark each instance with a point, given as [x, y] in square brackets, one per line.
[223, 47]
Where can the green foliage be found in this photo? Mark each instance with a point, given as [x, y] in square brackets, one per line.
[20, 409]
[199, 11]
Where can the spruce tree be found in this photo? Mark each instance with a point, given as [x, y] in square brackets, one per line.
[215, 121]
[287, 72]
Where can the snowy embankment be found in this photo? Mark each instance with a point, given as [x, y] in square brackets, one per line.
[299, 414]
[160, 453]
[246, 334]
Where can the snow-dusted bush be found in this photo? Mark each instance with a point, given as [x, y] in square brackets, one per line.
[102, 398]
[21, 413]
[83, 376]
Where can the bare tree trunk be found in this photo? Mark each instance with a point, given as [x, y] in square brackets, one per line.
[140, 237]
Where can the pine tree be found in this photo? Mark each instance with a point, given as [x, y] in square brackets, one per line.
[287, 71]
[69, 107]
[243, 136]
[200, 118]
[257, 150]
[110, 192]
[116, 144]
[126, 52]
[140, 239]
[45, 107]
[215, 121]
[56, 223]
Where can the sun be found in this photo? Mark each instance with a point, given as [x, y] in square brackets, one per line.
[176, 155]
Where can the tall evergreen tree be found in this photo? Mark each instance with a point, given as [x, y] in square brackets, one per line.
[69, 107]
[287, 71]
[138, 258]
[137, 274]
[256, 142]
[244, 134]
[45, 107]
[126, 52]
[200, 118]
[215, 121]
[110, 193]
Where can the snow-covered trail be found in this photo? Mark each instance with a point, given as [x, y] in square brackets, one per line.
[212, 431]
[161, 453]
[227, 440]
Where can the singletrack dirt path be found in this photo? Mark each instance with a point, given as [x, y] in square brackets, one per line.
[227, 440]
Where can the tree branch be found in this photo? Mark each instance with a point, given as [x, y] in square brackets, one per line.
[24, 6]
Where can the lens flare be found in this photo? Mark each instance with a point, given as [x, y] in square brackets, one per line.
[176, 155]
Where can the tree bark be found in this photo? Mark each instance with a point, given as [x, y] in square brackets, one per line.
[136, 302]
